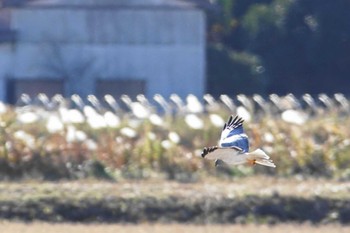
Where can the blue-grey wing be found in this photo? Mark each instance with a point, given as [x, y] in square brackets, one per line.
[233, 134]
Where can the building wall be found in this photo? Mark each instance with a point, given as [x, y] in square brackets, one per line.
[6, 51]
[163, 47]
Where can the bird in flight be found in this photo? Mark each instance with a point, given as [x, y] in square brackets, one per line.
[233, 147]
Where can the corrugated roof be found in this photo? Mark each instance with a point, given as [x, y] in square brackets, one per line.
[110, 3]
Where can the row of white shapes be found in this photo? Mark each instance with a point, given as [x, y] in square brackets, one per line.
[109, 111]
[142, 107]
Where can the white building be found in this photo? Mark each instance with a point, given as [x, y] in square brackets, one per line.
[103, 47]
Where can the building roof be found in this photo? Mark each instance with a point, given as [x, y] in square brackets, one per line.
[109, 3]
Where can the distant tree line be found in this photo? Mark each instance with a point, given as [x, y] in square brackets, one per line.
[278, 46]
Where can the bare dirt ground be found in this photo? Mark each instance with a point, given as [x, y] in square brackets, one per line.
[39, 227]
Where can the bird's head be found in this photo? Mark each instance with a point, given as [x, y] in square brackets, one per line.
[219, 162]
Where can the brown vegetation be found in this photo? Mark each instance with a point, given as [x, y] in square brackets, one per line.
[39, 144]
[246, 200]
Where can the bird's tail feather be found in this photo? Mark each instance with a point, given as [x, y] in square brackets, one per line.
[260, 157]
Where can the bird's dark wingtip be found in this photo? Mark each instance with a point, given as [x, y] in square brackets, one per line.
[208, 150]
[204, 152]
[234, 122]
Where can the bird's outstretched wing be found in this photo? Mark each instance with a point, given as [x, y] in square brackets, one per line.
[224, 154]
[233, 135]
[216, 152]
[234, 146]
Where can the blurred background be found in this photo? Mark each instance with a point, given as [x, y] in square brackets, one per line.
[106, 105]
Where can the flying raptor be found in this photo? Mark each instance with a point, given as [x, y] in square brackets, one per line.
[233, 147]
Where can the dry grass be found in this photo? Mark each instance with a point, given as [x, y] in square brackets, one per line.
[39, 144]
[38, 227]
[238, 187]
[256, 199]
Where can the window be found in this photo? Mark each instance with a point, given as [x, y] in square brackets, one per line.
[117, 88]
[32, 87]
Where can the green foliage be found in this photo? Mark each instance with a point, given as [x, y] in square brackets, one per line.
[297, 42]
[231, 72]
[258, 18]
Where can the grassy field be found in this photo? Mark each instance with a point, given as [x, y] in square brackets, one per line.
[38, 227]
[237, 187]
[60, 168]
[257, 199]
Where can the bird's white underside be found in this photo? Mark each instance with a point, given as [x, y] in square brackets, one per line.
[225, 154]
[234, 156]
